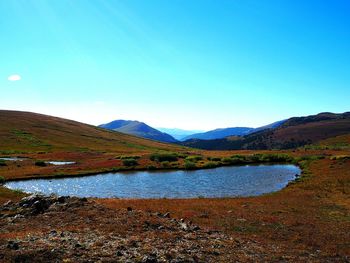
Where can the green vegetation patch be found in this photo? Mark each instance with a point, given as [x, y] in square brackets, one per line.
[340, 157]
[123, 157]
[130, 162]
[163, 157]
[40, 163]
[214, 159]
[211, 165]
[189, 165]
[31, 139]
[3, 163]
[194, 158]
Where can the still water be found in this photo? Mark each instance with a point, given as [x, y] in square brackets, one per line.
[249, 180]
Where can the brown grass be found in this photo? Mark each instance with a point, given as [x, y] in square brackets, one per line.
[313, 213]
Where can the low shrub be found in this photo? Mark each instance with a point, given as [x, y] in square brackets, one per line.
[130, 162]
[151, 167]
[216, 159]
[123, 157]
[211, 165]
[2, 163]
[194, 158]
[340, 157]
[2, 180]
[165, 164]
[189, 165]
[40, 163]
[161, 157]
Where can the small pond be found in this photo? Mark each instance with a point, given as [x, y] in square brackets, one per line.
[59, 162]
[12, 159]
[233, 181]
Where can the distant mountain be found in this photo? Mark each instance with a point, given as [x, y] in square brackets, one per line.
[233, 131]
[291, 133]
[220, 133]
[139, 129]
[269, 126]
[179, 134]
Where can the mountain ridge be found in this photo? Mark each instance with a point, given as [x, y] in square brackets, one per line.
[139, 129]
[292, 133]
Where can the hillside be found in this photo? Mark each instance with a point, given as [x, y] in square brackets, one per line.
[139, 129]
[220, 133]
[233, 131]
[294, 132]
[32, 132]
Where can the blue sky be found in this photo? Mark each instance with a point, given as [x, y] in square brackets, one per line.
[195, 64]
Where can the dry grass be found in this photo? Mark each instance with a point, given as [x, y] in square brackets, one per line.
[313, 213]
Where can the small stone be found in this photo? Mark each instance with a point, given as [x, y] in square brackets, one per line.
[8, 203]
[62, 199]
[166, 215]
[77, 245]
[196, 228]
[183, 226]
[149, 259]
[13, 245]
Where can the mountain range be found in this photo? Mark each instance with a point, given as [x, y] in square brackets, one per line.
[179, 134]
[288, 134]
[23, 130]
[174, 135]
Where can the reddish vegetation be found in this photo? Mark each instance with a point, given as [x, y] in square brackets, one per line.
[307, 216]
[309, 221]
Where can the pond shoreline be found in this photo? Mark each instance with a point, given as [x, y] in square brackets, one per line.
[220, 182]
[55, 176]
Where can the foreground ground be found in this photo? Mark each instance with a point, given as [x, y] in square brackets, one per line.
[309, 221]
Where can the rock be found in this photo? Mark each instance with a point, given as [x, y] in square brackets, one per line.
[53, 232]
[149, 259]
[62, 199]
[30, 200]
[183, 226]
[166, 215]
[77, 245]
[196, 228]
[8, 203]
[13, 245]
[40, 206]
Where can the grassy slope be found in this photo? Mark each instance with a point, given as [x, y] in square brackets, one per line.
[31, 132]
[42, 137]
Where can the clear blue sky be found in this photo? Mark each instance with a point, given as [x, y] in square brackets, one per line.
[196, 64]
